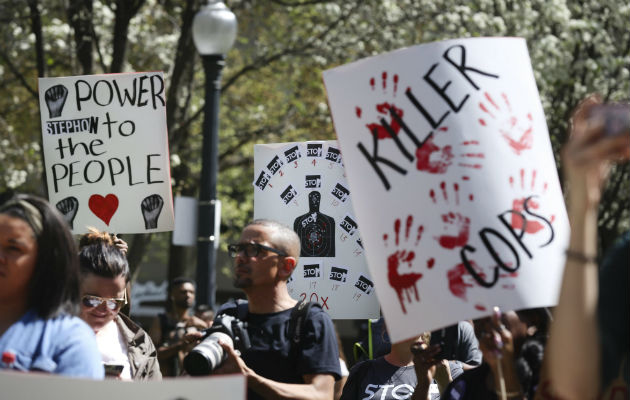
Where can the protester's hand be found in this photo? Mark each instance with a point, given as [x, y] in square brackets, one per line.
[588, 153]
[196, 322]
[233, 364]
[121, 245]
[424, 362]
[495, 340]
[443, 375]
[192, 337]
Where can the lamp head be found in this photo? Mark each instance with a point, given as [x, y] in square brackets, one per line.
[214, 29]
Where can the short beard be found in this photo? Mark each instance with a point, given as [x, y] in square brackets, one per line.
[183, 304]
[242, 283]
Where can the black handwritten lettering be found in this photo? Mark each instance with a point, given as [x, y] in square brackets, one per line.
[462, 67]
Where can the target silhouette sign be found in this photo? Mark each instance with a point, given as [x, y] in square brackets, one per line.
[304, 186]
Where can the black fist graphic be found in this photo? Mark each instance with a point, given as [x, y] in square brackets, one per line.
[151, 207]
[55, 98]
[68, 207]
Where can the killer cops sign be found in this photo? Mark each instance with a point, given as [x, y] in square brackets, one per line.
[453, 180]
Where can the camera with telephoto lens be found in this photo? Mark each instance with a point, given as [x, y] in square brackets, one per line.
[208, 355]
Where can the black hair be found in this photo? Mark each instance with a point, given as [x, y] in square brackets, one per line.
[54, 286]
[100, 256]
[180, 281]
[530, 358]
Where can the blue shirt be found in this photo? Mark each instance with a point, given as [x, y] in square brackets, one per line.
[62, 345]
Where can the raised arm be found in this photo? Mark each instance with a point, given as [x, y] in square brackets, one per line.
[573, 348]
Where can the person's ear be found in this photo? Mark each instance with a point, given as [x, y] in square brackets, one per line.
[288, 265]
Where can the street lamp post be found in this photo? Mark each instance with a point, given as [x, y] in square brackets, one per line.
[214, 31]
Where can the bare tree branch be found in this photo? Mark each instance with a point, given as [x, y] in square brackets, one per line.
[18, 75]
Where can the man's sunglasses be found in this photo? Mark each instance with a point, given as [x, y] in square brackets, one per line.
[90, 301]
[251, 249]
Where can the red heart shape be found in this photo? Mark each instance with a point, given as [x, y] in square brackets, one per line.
[103, 207]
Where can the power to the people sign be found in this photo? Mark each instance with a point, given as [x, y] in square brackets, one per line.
[453, 180]
[303, 185]
[106, 151]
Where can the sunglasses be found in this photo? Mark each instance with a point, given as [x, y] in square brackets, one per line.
[251, 249]
[90, 301]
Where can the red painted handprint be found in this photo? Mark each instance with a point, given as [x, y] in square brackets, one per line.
[404, 283]
[517, 133]
[384, 110]
[518, 204]
[456, 224]
[436, 160]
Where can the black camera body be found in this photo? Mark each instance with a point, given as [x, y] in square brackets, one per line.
[208, 355]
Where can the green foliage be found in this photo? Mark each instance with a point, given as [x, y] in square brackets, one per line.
[272, 87]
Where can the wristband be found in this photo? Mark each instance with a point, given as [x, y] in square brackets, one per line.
[508, 394]
[580, 257]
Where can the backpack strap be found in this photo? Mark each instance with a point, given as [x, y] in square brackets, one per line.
[237, 308]
[297, 325]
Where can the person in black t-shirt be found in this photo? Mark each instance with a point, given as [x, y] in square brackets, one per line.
[265, 257]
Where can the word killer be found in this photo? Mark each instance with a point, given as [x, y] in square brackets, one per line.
[459, 63]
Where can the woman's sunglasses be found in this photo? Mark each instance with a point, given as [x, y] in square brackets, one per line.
[90, 301]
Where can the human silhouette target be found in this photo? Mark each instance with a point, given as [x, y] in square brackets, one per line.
[316, 230]
[304, 186]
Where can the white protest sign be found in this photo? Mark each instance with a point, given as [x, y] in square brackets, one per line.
[106, 151]
[303, 185]
[43, 386]
[453, 179]
[185, 231]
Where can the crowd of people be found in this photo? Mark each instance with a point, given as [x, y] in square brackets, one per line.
[61, 302]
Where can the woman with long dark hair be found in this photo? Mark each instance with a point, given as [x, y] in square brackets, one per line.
[39, 293]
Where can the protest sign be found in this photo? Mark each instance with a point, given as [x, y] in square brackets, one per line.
[44, 386]
[106, 151]
[453, 179]
[303, 185]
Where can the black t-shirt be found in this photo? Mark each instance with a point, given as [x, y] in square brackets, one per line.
[317, 352]
[471, 385]
[377, 379]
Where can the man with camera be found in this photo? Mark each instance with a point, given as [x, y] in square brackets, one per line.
[298, 363]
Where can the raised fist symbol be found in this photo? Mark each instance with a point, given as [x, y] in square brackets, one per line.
[151, 207]
[68, 207]
[55, 98]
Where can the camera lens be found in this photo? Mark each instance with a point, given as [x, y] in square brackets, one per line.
[207, 355]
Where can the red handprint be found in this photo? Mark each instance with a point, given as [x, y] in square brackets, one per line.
[404, 284]
[531, 226]
[459, 280]
[518, 134]
[436, 160]
[384, 110]
[460, 223]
